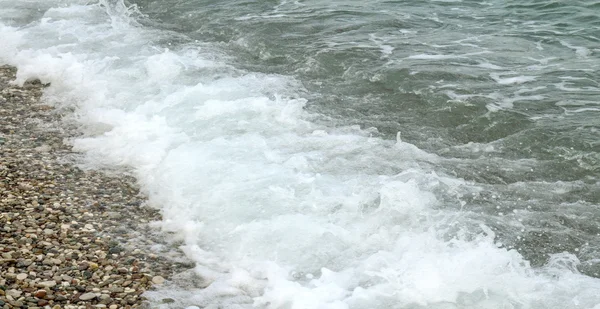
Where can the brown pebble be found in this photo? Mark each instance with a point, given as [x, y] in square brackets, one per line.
[40, 293]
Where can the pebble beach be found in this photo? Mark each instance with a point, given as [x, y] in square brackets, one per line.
[68, 238]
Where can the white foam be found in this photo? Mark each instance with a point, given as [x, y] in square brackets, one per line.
[487, 65]
[498, 77]
[580, 51]
[276, 210]
[433, 57]
[443, 56]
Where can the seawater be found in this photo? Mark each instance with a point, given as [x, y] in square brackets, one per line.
[342, 154]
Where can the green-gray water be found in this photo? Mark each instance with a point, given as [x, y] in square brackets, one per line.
[506, 91]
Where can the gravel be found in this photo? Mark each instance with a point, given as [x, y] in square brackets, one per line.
[68, 238]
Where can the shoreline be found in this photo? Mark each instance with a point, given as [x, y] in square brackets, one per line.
[68, 238]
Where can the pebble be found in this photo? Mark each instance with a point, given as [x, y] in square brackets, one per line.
[158, 280]
[87, 296]
[21, 276]
[47, 284]
[14, 293]
[40, 293]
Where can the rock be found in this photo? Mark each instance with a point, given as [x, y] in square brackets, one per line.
[40, 293]
[27, 262]
[47, 284]
[14, 293]
[104, 296]
[114, 215]
[87, 296]
[93, 266]
[7, 261]
[158, 280]
[60, 298]
[21, 276]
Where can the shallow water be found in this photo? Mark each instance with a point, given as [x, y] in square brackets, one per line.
[337, 154]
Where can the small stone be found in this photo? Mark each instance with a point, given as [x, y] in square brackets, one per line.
[60, 297]
[14, 293]
[113, 307]
[158, 280]
[87, 296]
[21, 276]
[40, 293]
[47, 284]
[93, 266]
[168, 300]
[114, 215]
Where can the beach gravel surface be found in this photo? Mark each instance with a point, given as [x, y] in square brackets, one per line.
[69, 238]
